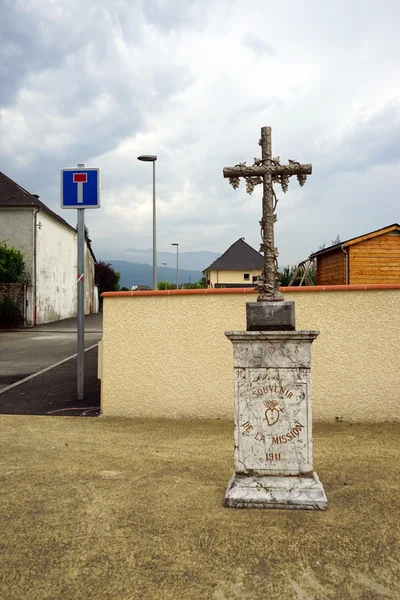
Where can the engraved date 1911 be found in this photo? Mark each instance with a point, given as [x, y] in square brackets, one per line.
[272, 457]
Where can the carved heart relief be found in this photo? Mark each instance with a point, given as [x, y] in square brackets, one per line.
[272, 416]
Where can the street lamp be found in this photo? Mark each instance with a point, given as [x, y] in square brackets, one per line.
[152, 158]
[165, 265]
[177, 272]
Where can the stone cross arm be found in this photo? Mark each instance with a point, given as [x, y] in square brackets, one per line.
[256, 171]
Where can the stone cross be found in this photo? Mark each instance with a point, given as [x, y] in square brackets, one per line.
[267, 171]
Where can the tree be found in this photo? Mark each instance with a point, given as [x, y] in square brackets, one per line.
[165, 285]
[87, 235]
[10, 312]
[333, 243]
[11, 264]
[106, 278]
[286, 274]
[197, 285]
[336, 240]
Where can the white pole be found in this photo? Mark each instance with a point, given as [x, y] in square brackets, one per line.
[166, 274]
[177, 271]
[153, 158]
[154, 229]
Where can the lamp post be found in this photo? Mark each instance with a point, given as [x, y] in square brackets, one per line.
[166, 270]
[177, 271]
[152, 158]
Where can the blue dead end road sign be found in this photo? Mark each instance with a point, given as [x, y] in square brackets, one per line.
[80, 188]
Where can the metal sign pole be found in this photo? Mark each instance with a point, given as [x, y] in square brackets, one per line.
[80, 189]
[81, 296]
[81, 302]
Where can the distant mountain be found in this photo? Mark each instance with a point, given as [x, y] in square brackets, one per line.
[187, 260]
[142, 274]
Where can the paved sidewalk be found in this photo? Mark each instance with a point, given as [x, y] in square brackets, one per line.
[117, 509]
[54, 392]
[93, 324]
[32, 381]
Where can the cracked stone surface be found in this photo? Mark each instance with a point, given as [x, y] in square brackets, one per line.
[273, 421]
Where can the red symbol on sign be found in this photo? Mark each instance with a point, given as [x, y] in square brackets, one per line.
[80, 179]
[80, 277]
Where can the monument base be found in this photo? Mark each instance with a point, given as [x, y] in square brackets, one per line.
[270, 316]
[275, 492]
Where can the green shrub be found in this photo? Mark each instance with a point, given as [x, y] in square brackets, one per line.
[11, 264]
[10, 313]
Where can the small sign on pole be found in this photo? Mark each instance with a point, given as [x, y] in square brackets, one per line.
[80, 189]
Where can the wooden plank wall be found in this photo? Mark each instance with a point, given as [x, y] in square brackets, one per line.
[376, 260]
[331, 268]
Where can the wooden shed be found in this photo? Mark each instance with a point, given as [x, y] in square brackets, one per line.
[370, 258]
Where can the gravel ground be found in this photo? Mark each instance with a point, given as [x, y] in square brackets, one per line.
[132, 509]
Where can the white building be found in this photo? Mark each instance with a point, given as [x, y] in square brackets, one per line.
[49, 246]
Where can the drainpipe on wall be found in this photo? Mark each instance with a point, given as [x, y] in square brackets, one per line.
[34, 265]
[347, 263]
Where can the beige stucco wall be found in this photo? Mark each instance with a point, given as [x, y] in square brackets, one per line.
[231, 276]
[167, 355]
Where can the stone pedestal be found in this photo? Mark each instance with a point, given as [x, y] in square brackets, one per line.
[273, 437]
[270, 316]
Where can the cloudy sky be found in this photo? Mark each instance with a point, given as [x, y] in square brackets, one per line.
[101, 82]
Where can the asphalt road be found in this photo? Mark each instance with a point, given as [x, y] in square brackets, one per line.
[25, 353]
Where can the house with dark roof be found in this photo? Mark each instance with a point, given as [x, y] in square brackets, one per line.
[370, 258]
[49, 246]
[239, 266]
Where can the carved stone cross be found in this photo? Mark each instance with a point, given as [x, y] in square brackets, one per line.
[267, 171]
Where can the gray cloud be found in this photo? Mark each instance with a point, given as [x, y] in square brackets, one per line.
[374, 138]
[21, 50]
[35, 39]
[170, 15]
[258, 45]
[370, 139]
[104, 84]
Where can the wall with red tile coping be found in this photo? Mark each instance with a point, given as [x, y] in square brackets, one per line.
[165, 355]
[291, 290]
